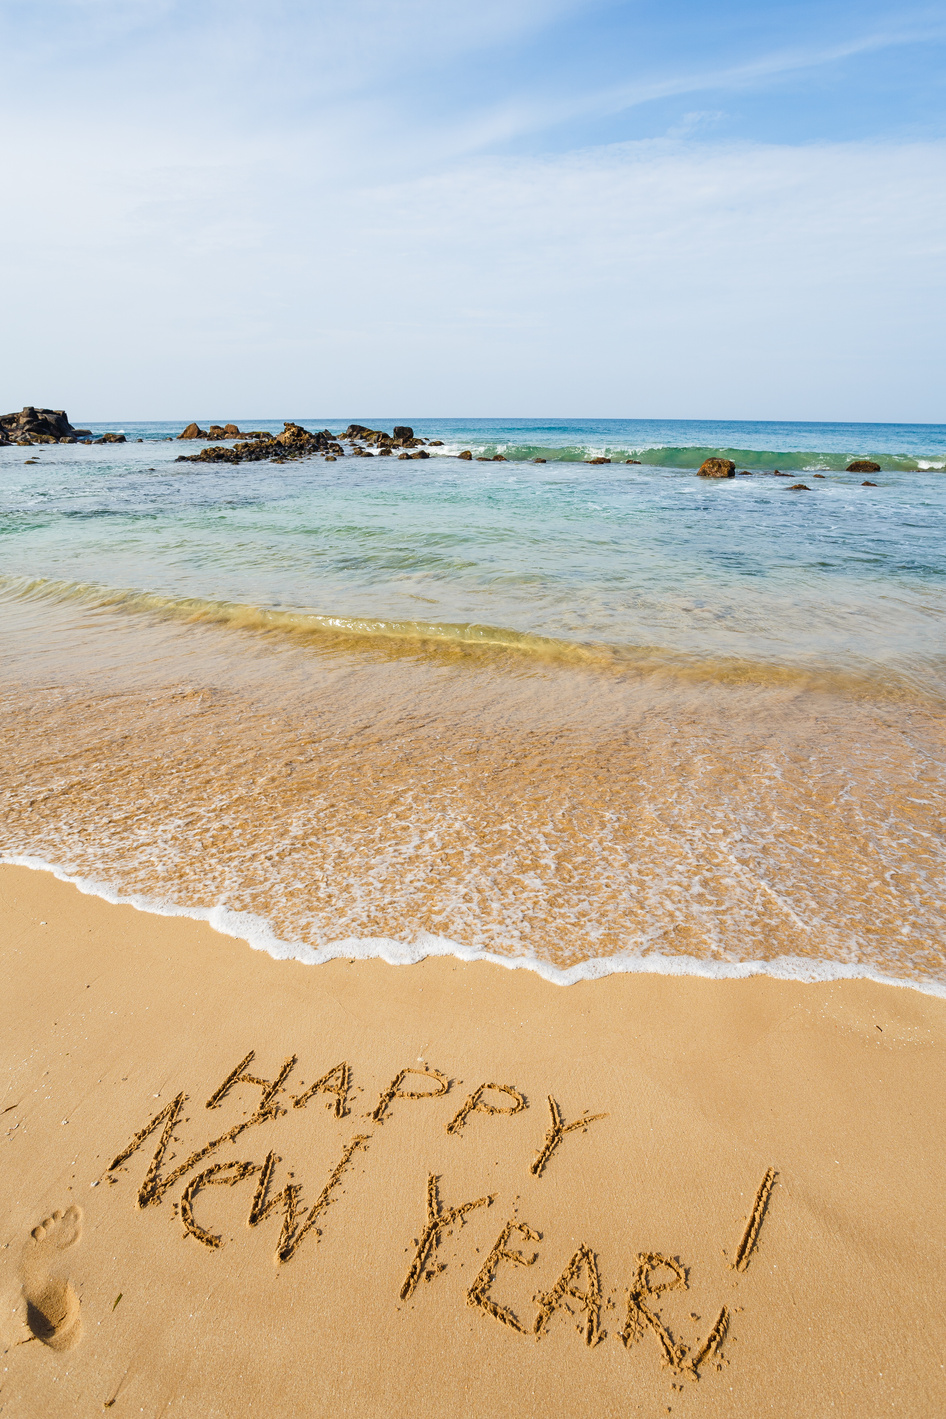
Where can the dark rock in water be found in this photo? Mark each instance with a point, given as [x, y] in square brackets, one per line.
[866, 484]
[403, 433]
[435, 443]
[330, 458]
[862, 465]
[499, 458]
[403, 455]
[111, 438]
[193, 431]
[717, 468]
[798, 488]
[421, 453]
[483, 458]
[633, 460]
[354, 430]
[465, 454]
[744, 473]
[39, 426]
[231, 431]
[385, 452]
[817, 475]
[539, 460]
[597, 460]
[777, 474]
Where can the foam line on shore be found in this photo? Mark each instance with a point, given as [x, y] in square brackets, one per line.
[257, 932]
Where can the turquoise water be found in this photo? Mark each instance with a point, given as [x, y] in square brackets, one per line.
[612, 562]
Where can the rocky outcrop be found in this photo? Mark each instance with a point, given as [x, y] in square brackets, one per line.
[465, 454]
[297, 442]
[33, 425]
[111, 438]
[293, 442]
[220, 431]
[597, 460]
[717, 468]
[862, 465]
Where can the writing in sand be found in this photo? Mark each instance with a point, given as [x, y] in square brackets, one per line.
[572, 1285]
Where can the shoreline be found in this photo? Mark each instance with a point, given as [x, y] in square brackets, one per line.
[257, 933]
[687, 1092]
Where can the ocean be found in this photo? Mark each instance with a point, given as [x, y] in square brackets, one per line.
[573, 717]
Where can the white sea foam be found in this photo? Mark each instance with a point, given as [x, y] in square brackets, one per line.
[258, 933]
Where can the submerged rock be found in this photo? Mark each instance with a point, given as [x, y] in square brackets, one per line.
[866, 484]
[862, 465]
[717, 468]
[798, 488]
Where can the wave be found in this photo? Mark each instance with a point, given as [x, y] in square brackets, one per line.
[450, 640]
[753, 459]
[258, 934]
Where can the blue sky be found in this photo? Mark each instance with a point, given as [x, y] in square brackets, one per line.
[525, 208]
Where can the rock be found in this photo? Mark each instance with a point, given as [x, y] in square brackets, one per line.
[330, 458]
[862, 465]
[232, 432]
[483, 458]
[403, 455]
[110, 438]
[465, 454]
[356, 430]
[499, 458]
[817, 475]
[798, 488]
[777, 474]
[385, 452]
[216, 431]
[421, 453]
[866, 484]
[744, 473]
[633, 460]
[38, 425]
[193, 431]
[403, 433]
[607, 460]
[435, 443]
[717, 468]
[539, 460]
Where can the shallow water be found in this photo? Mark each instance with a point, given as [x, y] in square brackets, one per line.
[573, 716]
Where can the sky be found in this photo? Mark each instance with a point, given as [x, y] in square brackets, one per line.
[354, 208]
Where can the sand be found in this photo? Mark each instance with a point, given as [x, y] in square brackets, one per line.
[746, 1220]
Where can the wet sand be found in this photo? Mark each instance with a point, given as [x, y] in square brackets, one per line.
[498, 804]
[753, 1226]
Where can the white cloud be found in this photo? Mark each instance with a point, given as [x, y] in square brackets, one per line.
[675, 279]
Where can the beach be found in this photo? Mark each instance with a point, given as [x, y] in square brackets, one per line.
[472, 934]
[707, 1088]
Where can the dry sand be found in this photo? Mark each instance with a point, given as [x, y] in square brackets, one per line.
[753, 1226]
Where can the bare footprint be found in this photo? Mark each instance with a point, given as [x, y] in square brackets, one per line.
[52, 1306]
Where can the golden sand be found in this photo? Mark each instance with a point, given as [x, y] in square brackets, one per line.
[236, 1186]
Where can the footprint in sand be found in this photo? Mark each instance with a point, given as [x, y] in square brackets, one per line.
[52, 1306]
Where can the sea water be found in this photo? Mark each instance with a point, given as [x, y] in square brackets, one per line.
[569, 715]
